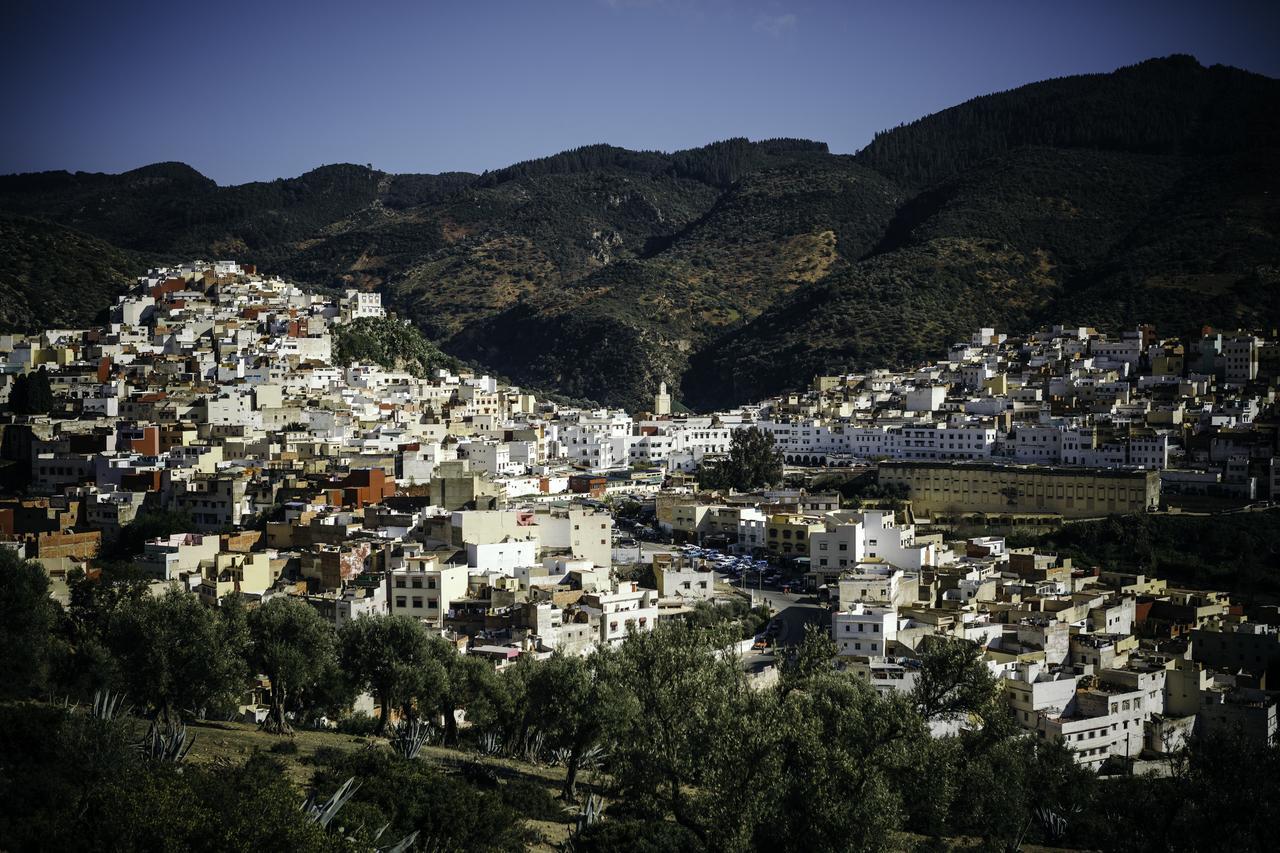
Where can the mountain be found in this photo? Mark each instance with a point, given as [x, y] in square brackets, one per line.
[742, 268]
[56, 277]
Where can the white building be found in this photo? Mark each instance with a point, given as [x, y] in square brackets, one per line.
[355, 304]
[864, 630]
[839, 546]
[628, 608]
[505, 556]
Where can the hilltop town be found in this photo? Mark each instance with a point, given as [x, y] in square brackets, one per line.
[219, 439]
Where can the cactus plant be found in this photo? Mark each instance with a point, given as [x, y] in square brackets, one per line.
[591, 812]
[400, 846]
[534, 743]
[323, 813]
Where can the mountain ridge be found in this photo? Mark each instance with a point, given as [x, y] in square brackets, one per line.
[741, 268]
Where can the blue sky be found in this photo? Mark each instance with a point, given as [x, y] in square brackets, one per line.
[254, 91]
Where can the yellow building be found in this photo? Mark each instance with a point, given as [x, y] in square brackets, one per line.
[788, 533]
[228, 573]
[940, 488]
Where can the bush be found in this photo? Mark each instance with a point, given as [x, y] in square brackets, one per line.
[359, 724]
[533, 800]
[284, 747]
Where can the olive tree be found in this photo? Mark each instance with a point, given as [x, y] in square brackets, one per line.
[295, 648]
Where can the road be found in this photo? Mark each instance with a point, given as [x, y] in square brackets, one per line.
[796, 611]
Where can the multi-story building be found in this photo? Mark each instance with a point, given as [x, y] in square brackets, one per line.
[939, 489]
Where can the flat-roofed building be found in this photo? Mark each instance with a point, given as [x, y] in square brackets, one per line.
[940, 488]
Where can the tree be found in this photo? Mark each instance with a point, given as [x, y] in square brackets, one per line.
[27, 618]
[571, 701]
[840, 746]
[40, 393]
[31, 394]
[388, 656]
[294, 648]
[812, 658]
[457, 681]
[678, 697]
[753, 463]
[175, 653]
[18, 394]
[147, 525]
[954, 681]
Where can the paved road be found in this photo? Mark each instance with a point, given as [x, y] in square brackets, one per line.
[795, 610]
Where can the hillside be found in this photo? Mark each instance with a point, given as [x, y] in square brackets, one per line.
[741, 268]
[56, 277]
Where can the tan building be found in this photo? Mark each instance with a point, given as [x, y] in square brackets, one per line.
[937, 488]
[788, 533]
[425, 590]
[228, 573]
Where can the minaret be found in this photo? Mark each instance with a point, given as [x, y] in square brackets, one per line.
[662, 401]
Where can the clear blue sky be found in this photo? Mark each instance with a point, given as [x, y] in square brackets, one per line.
[254, 91]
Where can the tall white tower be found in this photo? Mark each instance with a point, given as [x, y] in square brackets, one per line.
[662, 401]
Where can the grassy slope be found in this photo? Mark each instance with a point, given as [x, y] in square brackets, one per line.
[234, 742]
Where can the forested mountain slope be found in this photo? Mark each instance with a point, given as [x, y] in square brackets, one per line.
[738, 269]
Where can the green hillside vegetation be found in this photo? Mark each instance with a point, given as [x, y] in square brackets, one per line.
[1161, 106]
[659, 741]
[1237, 552]
[391, 343]
[56, 277]
[741, 268]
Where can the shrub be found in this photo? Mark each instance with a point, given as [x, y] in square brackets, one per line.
[359, 724]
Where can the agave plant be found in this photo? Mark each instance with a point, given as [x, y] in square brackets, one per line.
[410, 736]
[534, 742]
[560, 756]
[490, 743]
[106, 705]
[400, 846]
[591, 812]
[593, 757]
[166, 742]
[322, 813]
[1056, 822]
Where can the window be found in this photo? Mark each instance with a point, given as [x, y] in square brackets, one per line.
[400, 601]
[417, 602]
